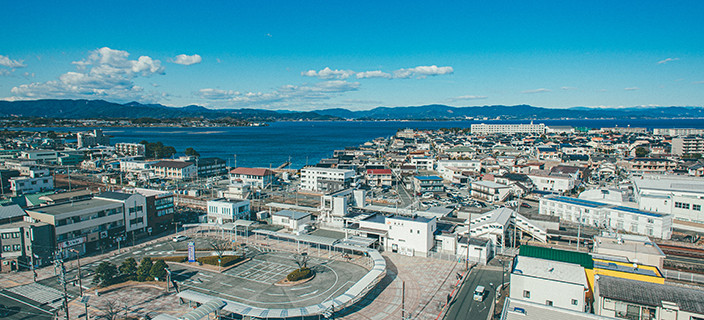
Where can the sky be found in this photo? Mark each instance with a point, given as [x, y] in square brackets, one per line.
[308, 55]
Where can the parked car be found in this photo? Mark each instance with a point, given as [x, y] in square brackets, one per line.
[179, 238]
[525, 205]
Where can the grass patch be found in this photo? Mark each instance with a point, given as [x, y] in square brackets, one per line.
[171, 259]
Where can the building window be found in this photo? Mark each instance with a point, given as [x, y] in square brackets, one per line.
[681, 205]
[526, 294]
[6, 248]
[574, 302]
[548, 303]
[697, 207]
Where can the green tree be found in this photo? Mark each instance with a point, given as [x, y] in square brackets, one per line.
[128, 268]
[157, 150]
[192, 152]
[144, 270]
[642, 152]
[158, 270]
[105, 274]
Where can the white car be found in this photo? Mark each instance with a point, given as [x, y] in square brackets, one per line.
[179, 238]
[479, 293]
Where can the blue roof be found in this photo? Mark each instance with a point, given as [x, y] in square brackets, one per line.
[428, 178]
[638, 211]
[581, 202]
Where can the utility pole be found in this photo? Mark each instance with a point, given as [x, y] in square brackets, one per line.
[68, 172]
[403, 300]
[59, 263]
[80, 281]
[469, 234]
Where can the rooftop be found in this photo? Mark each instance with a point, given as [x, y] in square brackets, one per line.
[260, 172]
[515, 309]
[63, 208]
[580, 258]
[120, 196]
[173, 164]
[295, 215]
[489, 184]
[550, 269]
[651, 294]
[11, 211]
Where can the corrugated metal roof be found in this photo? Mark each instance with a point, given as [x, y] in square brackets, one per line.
[580, 258]
[651, 294]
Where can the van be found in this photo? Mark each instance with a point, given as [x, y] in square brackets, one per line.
[479, 293]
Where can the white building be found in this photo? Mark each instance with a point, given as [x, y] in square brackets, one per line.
[553, 183]
[130, 149]
[489, 191]
[28, 185]
[412, 236]
[136, 165]
[508, 128]
[448, 169]
[687, 145]
[423, 162]
[604, 215]
[327, 180]
[292, 220]
[682, 197]
[90, 139]
[222, 211]
[256, 177]
[677, 132]
[134, 206]
[553, 283]
[175, 170]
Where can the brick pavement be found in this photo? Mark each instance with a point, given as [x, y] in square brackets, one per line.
[132, 301]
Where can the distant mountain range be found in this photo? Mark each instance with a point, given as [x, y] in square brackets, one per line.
[100, 109]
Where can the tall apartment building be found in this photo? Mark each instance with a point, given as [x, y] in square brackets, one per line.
[130, 149]
[673, 132]
[91, 139]
[687, 145]
[531, 128]
[327, 179]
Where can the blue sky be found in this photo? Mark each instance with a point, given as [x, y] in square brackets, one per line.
[306, 55]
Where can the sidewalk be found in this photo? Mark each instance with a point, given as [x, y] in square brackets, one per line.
[14, 279]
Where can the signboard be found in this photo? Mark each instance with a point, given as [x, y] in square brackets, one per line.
[71, 243]
[192, 251]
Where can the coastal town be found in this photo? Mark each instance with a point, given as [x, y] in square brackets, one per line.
[491, 221]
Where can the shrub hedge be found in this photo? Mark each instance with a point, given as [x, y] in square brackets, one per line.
[172, 259]
[225, 262]
[299, 274]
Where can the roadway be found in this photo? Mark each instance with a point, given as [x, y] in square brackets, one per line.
[464, 307]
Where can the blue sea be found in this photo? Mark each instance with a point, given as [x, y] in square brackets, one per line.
[307, 142]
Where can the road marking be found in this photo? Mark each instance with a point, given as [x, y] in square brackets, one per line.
[301, 288]
[248, 289]
[274, 294]
[309, 293]
[225, 284]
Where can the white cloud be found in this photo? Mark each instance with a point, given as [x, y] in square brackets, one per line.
[284, 96]
[667, 60]
[468, 97]
[187, 60]
[7, 62]
[631, 88]
[373, 74]
[568, 88]
[328, 73]
[422, 72]
[105, 74]
[419, 72]
[541, 90]
[698, 82]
